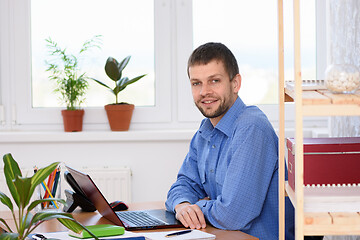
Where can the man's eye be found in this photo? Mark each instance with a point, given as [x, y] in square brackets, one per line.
[215, 80]
[195, 83]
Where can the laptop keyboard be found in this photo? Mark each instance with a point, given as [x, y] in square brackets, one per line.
[139, 218]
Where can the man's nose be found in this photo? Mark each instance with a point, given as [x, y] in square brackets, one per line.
[205, 90]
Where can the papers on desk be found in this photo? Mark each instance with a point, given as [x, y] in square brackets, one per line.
[194, 234]
[65, 236]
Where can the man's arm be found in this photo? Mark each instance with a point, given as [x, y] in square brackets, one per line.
[183, 195]
[188, 187]
[186, 191]
[245, 187]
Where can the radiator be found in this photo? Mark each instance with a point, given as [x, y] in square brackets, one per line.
[114, 183]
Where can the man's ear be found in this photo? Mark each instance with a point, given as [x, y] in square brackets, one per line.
[236, 83]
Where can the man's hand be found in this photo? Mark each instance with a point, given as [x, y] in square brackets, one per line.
[190, 215]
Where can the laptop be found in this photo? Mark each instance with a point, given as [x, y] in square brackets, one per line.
[130, 220]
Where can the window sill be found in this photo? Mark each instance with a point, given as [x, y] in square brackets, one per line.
[96, 136]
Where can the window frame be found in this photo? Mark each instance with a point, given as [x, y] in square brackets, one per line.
[173, 45]
[95, 117]
[6, 58]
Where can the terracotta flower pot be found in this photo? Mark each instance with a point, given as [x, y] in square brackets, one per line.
[119, 116]
[73, 120]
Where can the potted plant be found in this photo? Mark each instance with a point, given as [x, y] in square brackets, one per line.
[22, 189]
[71, 83]
[119, 113]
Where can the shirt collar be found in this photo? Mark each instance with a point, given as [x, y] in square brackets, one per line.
[226, 123]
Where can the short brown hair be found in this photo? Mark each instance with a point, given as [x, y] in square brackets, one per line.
[214, 51]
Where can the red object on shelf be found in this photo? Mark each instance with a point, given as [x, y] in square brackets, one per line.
[327, 161]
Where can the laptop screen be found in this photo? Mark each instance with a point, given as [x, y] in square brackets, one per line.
[95, 196]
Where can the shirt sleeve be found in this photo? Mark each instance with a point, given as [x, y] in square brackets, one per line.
[188, 187]
[252, 164]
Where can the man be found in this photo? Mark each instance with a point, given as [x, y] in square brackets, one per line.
[230, 175]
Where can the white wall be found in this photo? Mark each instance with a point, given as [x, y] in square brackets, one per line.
[153, 156]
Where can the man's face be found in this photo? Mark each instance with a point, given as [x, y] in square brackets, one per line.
[212, 90]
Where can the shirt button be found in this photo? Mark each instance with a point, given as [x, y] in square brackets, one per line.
[211, 170]
[213, 146]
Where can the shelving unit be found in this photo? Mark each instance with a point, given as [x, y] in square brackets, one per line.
[308, 103]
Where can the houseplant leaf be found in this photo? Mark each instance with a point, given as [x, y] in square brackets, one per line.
[7, 226]
[48, 215]
[41, 175]
[37, 202]
[9, 236]
[128, 82]
[122, 81]
[101, 83]
[74, 226]
[64, 218]
[123, 64]
[111, 69]
[119, 85]
[11, 170]
[6, 200]
[23, 188]
[26, 222]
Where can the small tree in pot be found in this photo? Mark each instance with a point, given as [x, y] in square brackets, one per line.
[71, 83]
[119, 114]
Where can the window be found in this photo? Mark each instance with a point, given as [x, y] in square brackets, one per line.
[169, 31]
[31, 113]
[125, 29]
[250, 30]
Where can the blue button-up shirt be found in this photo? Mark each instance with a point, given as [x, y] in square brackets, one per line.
[235, 164]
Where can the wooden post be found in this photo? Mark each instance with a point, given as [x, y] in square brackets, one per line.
[281, 169]
[299, 166]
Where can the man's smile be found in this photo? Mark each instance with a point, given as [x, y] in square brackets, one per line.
[209, 102]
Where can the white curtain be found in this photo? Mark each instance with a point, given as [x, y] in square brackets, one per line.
[344, 39]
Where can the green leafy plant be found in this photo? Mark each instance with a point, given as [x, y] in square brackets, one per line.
[22, 189]
[114, 71]
[64, 68]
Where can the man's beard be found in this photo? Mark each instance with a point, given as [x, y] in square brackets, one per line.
[221, 110]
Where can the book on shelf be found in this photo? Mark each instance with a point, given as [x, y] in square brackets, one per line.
[329, 198]
[342, 198]
[307, 85]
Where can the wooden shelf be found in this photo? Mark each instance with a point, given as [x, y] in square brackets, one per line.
[327, 223]
[311, 99]
[331, 223]
[324, 103]
[321, 97]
